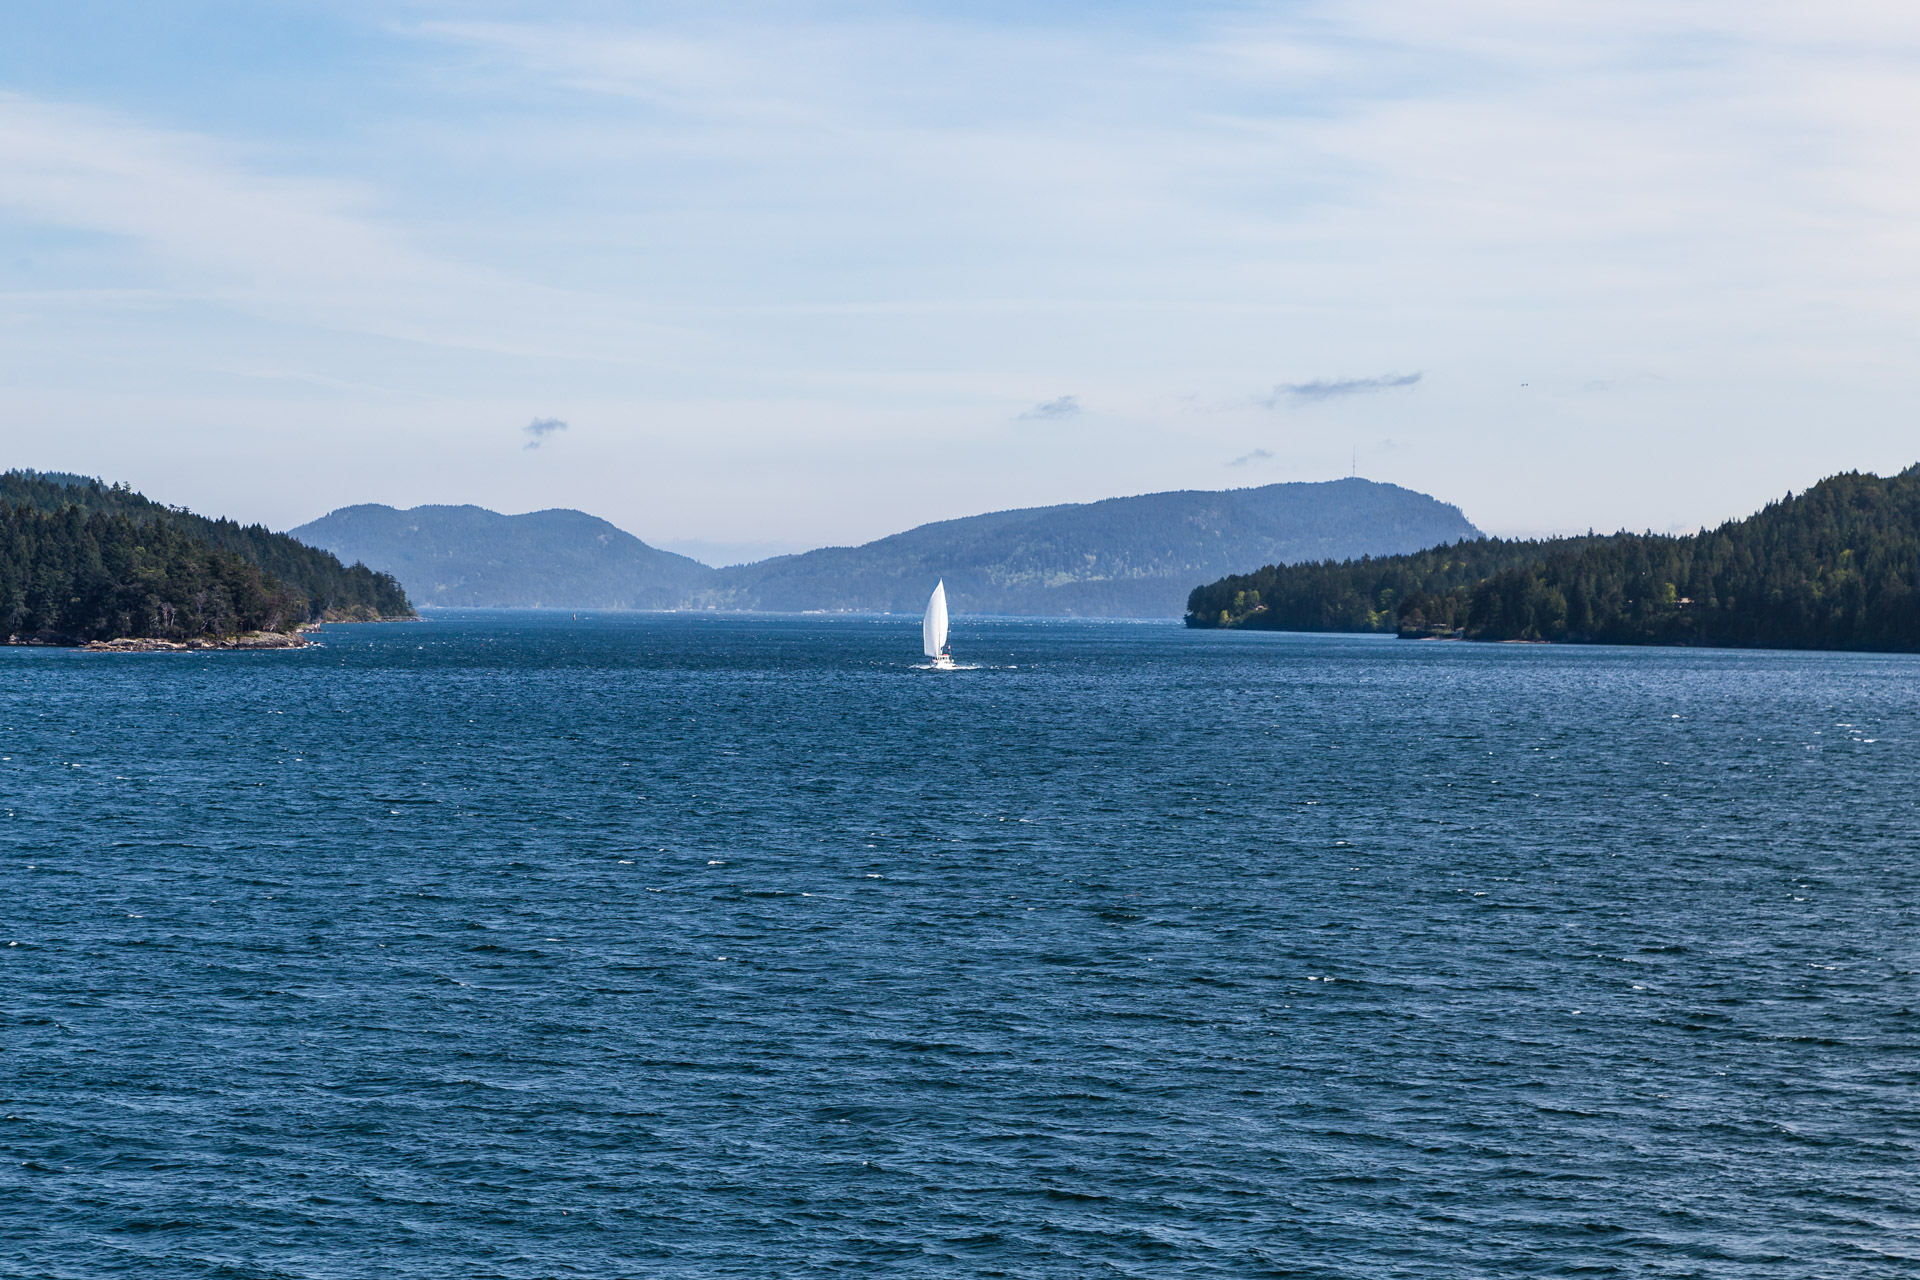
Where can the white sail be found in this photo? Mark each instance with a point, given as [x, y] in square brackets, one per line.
[933, 629]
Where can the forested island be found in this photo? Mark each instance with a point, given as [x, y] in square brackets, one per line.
[84, 562]
[1837, 567]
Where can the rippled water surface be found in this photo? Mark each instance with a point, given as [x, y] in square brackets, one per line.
[525, 946]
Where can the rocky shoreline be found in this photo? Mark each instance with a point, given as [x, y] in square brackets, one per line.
[250, 640]
[295, 639]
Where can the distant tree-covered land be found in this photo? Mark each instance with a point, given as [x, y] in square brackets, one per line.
[1122, 557]
[1837, 567]
[469, 557]
[83, 561]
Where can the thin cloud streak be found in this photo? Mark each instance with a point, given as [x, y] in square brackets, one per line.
[1257, 455]
[1063, 407]
[1333, 388]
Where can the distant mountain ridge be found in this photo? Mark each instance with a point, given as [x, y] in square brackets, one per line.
[471, 557]
[1121, 557]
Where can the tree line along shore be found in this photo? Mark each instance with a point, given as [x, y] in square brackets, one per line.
[1835, 567]
[87, 563]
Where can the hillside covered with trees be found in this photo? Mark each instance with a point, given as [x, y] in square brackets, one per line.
[81, 561]
[1837, 567]
[333, 591]
[1122, 557]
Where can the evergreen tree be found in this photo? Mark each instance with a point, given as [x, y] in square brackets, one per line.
[74, 575]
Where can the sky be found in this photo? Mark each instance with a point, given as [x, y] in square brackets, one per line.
[758, 277]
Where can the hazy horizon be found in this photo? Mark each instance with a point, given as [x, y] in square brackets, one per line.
[805, 277]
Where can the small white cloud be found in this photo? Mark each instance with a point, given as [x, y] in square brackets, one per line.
[1062, 407]
[1246, 459]
[540, 428]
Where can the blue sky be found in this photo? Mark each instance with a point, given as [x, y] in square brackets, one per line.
[800, 274]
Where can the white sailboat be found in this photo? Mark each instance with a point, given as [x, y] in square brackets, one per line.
[933, 628]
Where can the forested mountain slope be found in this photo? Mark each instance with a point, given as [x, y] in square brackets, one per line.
[327, 588]
[1837, 567]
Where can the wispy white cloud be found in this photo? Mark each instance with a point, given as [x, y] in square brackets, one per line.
[211, 226]
[1263, 148]
[806, 226]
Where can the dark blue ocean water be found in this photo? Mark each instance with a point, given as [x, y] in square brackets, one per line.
[526, 946]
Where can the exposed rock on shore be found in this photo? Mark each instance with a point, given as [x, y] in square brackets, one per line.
[251, 640]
